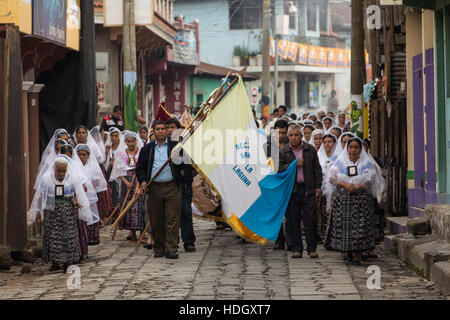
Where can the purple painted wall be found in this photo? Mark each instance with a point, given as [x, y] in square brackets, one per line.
[418, 199]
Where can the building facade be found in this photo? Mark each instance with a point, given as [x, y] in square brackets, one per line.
[428, 104]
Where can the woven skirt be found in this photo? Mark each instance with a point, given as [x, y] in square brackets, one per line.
[61, 243]
[134, 219]
[351, 226]
[322, 217]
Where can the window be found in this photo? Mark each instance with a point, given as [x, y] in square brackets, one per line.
[312, 15]
[245, 14]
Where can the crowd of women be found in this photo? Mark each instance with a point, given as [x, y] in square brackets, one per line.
[82, 178]
[349, 214]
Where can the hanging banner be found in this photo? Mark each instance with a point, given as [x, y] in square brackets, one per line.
[303, 54]
[349, 58]
[283, 47]
[322, 56]
[292, 52]
[272, 48]
[313, 55]
[331, 57]
[185, 47]
[340, 59]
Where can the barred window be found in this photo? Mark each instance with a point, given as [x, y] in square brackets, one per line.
[245, 14]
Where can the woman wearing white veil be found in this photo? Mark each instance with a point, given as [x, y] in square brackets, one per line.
[126, 159]
[48, 161]
[59, 200]
[342, 121]
[82, 135]
[97, 135]
[336, 131]
[49, 150]
[97, 179]
[352, 182]
[112, 146]
[307, 131]
[324, 154]
[341, 142]
[68, 152]
[328, 122]
[316, 139]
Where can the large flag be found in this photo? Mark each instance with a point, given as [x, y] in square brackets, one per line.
[226, 151]
[162, 114]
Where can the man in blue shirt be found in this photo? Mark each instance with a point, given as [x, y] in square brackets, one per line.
[164, 194]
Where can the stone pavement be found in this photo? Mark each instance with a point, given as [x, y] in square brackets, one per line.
[223, 267]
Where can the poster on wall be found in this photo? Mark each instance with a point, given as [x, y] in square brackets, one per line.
[292, 51]
[313, 56]
[303, 54]
[340, 58]
[50, 19]
[130, 107]
[331, 57]
[185, 47]
[283, 47]
[322, 56]
[313, 94]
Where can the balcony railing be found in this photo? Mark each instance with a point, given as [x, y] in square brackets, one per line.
[164, 8]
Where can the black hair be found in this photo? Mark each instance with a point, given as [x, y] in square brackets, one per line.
[309, 126]
[319, 123]
[330, 112]
[81, 126]
[293, 116]
[143, 128]
[282, 107]
[367, 142]
[117, 108]
[336, 128]
[66, 148]
[175, 121]
[160, 122]
[280, 124]
[263, 118]
[328, 135]
[275, 110]
[60, 141]
[353, 139]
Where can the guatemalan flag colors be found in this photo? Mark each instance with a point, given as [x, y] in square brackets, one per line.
[227, 150]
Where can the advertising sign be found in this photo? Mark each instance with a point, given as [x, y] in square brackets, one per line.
[49, 19]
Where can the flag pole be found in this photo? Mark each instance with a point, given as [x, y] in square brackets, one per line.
[216, 100]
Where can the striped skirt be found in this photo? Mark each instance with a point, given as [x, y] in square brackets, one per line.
[134, 219]
[93, 232]
[322, 217]
[351, 226]
[61, 243]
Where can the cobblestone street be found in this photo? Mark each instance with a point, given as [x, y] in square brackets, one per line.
[223, 267]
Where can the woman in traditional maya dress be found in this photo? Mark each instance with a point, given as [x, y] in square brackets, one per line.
[95, 174]
[124, 169]
[112, 146]
[59, 200]
[350, 185]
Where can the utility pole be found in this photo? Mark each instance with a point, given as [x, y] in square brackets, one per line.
[357, 69]
[265, 72]
[130, 105]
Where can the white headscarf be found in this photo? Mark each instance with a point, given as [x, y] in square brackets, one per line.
[322, 154]
[44, 198]
[337, 120]
[335, 127]
[96, 152]
[121, 165]
[97, 136]
[50, 149]
[303, 133]
[366, 172]
[93, 170]
[314, 133]
[339, 147]
[48, 161]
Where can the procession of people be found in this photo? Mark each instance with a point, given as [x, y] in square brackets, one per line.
[87, 179]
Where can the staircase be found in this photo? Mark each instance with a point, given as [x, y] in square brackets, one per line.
[397, 225]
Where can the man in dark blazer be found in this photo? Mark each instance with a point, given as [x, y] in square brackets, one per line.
[302, 204]
[164, 194]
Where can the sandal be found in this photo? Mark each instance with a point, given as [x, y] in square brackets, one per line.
[148, 246]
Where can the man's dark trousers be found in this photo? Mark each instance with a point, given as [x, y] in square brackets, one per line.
[302, 206]
[187, 229]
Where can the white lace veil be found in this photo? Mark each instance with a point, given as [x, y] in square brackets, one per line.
[50, 149]
[314, 133]
[121, 167]
[339, 147]
[333, 123]
[93, 170]
[366, 172]
[98, 138]
[47, 163]
[44, 198]
[322, 154]
[95, 149]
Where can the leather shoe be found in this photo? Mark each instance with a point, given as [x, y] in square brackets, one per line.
[313, 254]
[278, 246]
[297, 255]
[159, 254]
[171, 255]
[189, 248]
